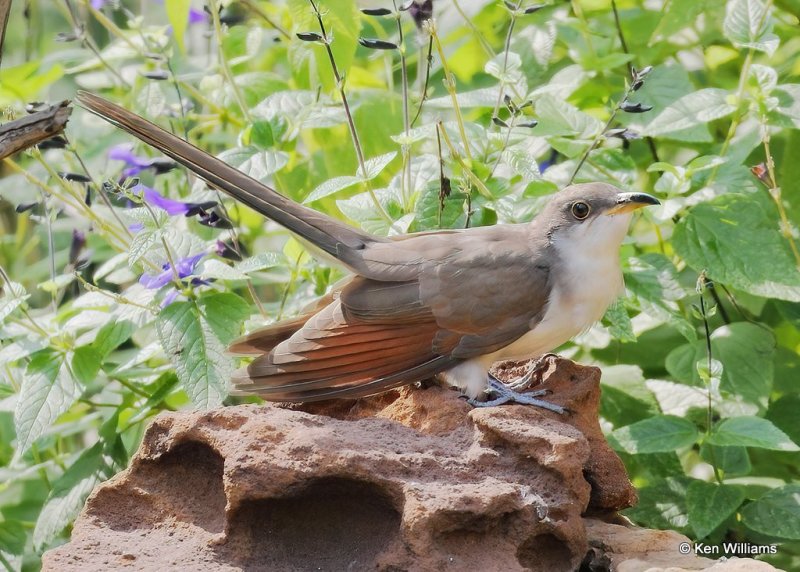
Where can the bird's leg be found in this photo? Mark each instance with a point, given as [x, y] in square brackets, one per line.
[507, 395]
[535, 371]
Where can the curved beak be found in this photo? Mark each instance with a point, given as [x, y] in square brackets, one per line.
[627, 202]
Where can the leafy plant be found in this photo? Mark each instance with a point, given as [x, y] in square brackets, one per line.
[123, 279]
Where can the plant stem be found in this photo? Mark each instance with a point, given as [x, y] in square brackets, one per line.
[472, 176]
[326, 41]
[424, 92]
[451, 88]
[506, 47]
[223, 62]
[87, 41]
[650, 141]
[709, 411]
[405, 148]
[256, 9]
[481, 40]
[775, 194]
[600, 136]
[99, 189]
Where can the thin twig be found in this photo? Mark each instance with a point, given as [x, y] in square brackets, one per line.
[405, 148]
[223, 62]
[326, 41]
[424, 92]
[481, 40]
[256, 9]
[601, 135]
[454, 153]
[506, 48]
[703, 282]
[89, 43]
[5, 9]
[650, 141]
[775, 194]
[451, 88]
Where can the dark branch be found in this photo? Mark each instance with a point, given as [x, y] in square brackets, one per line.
[32, 129]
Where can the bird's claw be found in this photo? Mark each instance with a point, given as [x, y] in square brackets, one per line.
[506, 394]
[536, 369]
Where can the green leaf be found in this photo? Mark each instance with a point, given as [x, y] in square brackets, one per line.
[522, 163]
[113, 335]
[308, 60]
[47, 391]
[196, 352]
[22, 83]
[745, 350]
[676, 15]
[429, 211]
[662, 504]
[557, 117]
[728, 237]
[748, 24]
[212, 268]
[654, 276]
[12, 537]
[730, 460]
[788, 108]
[142, 243]
[690, 110]
[261, 134]
[375, 165]
[164, 386]
[68, 494]
[625, 398]
[330, 187]
[748, 431]
[777, 513]
[224, 312]
[657, 434]
[14, 295]
[178, 16]
[256, 162]
[619, 322]
[86, 362]
[260, 261]
[710, 504]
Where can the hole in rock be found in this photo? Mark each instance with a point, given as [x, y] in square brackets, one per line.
[332, 524]
[184, 484]
[544, 552]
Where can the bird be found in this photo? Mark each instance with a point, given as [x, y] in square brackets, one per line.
[444, 303]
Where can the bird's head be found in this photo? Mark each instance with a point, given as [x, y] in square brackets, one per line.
[591, 216]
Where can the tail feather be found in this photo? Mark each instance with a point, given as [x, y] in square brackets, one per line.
[332, 236]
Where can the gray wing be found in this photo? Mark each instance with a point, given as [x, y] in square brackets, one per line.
[484, 288]
[454, 296]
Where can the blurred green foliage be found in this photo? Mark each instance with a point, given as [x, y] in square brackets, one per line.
[701, 374]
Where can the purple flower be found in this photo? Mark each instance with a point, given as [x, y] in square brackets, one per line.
[225, 250]
[153, 197]
[197, 16]
[185, 267]
[135, 164]
[98, 4]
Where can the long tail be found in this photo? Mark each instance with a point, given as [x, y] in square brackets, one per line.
[334, 237]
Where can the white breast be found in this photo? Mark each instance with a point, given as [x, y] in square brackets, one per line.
[588, 280]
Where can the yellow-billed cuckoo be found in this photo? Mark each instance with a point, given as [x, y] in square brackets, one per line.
[448, 302]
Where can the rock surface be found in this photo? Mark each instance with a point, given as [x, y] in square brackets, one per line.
[414, 479]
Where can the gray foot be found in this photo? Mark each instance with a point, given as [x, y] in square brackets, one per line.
[535, 371]
[505, 394]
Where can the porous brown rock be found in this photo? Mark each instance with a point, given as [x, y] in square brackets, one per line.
[414, 479]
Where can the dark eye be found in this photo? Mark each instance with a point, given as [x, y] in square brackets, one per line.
[580, 210]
